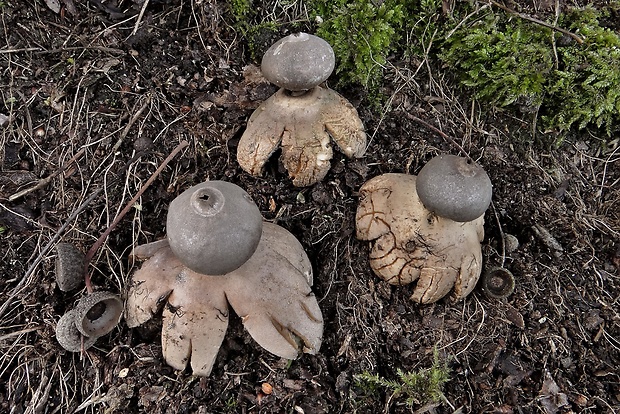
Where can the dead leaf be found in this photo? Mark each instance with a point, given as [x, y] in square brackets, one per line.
[150, 395]
[515, 317]
[551, 398]
[4, 120]
[54, 5]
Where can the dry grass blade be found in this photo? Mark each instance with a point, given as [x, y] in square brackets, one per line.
[439, 132]
[45, 181]
[12, 296]
[119, 217]
[524, 16]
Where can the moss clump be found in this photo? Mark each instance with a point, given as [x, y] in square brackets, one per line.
[250, 21]
[586, 87]
[511, 61]
[362, 34]
[420, 387]
[504, 61]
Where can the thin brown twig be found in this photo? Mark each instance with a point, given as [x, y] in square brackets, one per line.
[44, 181]
[17, 333]
[91, 252]
[524, 16]
[41, 51]
[132, 121]
[501, 233]
[20, 285]
[142, 10]
[439, 132]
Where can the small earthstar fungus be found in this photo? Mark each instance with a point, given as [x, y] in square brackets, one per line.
[302, 116]
[434, 241]
[270, 290]
[497, 283]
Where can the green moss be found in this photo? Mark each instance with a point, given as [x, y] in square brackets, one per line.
[585, 90]
[510, 61]
[258, 32]
[420, 387]
[504, 61]
[362, 34]
[241, 9]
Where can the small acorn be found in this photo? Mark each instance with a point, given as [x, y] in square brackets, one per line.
[69, 267]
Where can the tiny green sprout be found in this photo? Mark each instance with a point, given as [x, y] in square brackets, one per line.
[419, 387]
[2, 229]
[71, 61]
[231, 403]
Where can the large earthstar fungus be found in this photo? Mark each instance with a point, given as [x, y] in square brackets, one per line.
[427, 229]
[219, 254]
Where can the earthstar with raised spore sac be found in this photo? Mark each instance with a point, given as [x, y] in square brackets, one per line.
[302, 117]
[411, 243]
[270, 291]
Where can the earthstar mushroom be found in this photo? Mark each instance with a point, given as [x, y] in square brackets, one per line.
[415, 244]
[208, 221]
[454, 187]
[302, 116]
[271, 292]
[298, 62]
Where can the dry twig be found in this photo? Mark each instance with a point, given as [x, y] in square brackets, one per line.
[439, 132]
[21, 284]
[142, 10]
[44, 181]
[91, 252]
[524, 16]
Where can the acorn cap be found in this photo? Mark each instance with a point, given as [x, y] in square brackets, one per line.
[98, 313]
[498, 283]
[454, 187]
[298, 62]
[68, 336]
[214, 227]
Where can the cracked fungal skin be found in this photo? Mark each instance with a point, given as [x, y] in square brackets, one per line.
[270, 292]
[413, 244]
[304, 126]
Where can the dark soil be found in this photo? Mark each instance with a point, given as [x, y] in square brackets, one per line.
[83, 81]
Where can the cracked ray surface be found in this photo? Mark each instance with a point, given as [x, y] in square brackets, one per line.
[271, 293]
[304, 126]
[411, 244]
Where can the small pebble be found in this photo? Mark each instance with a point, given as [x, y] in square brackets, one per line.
[511, 243]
